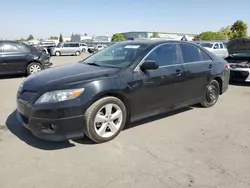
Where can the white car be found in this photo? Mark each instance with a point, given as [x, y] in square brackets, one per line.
[218, 48]
[83, 47]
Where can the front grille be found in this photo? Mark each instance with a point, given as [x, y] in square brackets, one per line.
[27, 96]
[239, 75]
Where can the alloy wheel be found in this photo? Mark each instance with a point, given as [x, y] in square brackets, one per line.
[35, 68]
[108, 120]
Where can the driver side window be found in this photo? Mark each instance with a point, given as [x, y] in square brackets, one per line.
[164, 55]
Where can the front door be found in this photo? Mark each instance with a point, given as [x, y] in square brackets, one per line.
[161, 88]
[197, 67]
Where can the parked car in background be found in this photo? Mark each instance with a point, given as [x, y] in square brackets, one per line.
[47, 45]
[122, 83]
[17, 57]
[239, 59]
[99, 47]
[91, 49]
[218, 48]
[66, 48]
[83, 47]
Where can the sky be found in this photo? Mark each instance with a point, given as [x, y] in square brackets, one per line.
[46, 18]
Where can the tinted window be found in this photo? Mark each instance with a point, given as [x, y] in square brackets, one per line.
[164, 55]
[221, 46]
[204, 56]
[190, 53]
[22, 48]
[74, 45]
[66, 45]
[10, 48]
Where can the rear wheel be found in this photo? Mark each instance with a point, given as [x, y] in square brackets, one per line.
[211, 94]
[83, 50]
[105, 119]
[33, 68]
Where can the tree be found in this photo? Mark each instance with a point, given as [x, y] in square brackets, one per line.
[117, 37]
[155, 35]
[30, 37]
[211, 35]
[238, 29]
[61, 38]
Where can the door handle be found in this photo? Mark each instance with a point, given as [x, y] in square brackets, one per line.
[178, 72]
[210, 66]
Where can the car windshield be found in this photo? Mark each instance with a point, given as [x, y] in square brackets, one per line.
[208, 45]
[119, 55]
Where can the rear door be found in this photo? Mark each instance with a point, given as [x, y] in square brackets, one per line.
[197, 70]
[14, 57]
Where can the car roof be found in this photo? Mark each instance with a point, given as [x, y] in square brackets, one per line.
[157, 42]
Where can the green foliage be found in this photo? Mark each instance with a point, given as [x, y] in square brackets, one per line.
[238, 29]
[210, 35]
[155, 35]
[117, 37]
[30, 37]
[61, 38]
[53, 38]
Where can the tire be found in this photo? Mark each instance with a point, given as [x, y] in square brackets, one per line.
[83, 50]
[77, 53]
[33, 68]
[57, 53]
[211, 94]
[94, 126]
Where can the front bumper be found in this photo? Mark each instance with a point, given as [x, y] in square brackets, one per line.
[55, 124]
[240, 74]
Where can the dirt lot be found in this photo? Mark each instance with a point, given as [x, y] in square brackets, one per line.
[194, 147]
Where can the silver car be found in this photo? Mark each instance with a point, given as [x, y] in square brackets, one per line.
[67, 48]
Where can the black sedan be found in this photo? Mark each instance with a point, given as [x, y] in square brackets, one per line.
[20, 58]
[122, 83]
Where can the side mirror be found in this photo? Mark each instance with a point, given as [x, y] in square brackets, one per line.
[149, 65]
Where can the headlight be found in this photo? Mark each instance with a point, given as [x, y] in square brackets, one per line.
[60, 95]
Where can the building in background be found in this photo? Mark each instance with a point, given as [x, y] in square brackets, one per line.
[83, 38]
[161, 35]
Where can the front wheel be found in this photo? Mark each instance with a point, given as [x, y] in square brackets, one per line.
[211, 94]
[105, 119]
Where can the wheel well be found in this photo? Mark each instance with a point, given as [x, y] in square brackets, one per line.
[219, 80]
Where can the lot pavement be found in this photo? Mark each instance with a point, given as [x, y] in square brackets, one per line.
[194, 147]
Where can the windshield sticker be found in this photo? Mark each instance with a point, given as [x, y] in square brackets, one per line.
[132, 46]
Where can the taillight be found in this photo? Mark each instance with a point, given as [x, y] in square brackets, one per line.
[227, 66]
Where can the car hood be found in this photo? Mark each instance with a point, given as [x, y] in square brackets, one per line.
[238, 45]
[66, 75]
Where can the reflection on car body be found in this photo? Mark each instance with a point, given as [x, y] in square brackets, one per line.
[122, 83]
